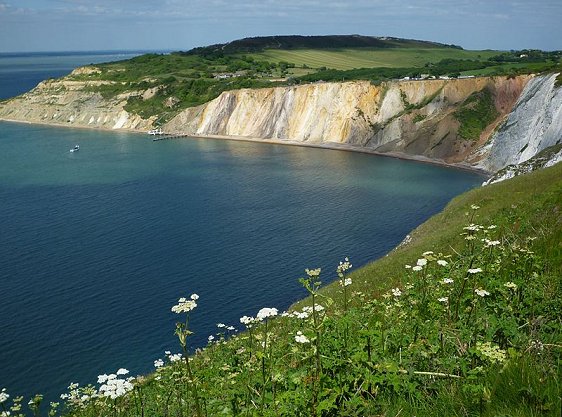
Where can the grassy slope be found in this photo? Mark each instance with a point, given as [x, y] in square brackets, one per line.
[349, 58]
[534, 200]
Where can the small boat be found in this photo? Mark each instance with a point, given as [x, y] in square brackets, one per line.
[75, 149]
[155, 132]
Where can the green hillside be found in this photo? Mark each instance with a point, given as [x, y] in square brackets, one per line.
[463, 320]
[186, 79]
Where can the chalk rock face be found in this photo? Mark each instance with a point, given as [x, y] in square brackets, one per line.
[534, 124]
[73, 103]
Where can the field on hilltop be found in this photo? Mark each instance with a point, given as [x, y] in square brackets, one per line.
[349, 58]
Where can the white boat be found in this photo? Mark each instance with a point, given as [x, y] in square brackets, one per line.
[155, 132]
[75, 149]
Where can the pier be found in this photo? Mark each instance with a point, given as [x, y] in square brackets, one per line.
[166, 136]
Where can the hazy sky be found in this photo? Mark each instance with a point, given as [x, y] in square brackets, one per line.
[62, 25]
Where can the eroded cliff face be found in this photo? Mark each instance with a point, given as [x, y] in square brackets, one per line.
[73, 103]
[534, 125]
[409, 117]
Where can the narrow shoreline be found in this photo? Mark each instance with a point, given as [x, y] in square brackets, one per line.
[287, 142]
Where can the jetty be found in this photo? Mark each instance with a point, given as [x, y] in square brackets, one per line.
[166, 136]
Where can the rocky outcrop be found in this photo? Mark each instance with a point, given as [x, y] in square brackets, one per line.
[73, 103]
[544, 159]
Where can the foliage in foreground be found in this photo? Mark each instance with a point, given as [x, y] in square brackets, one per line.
[467, 329]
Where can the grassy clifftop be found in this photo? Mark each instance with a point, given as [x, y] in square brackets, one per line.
[463, 320]
[163, 85]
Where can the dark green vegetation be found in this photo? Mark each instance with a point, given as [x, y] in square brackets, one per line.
[186, 79]
[477, 112]
[463, 320]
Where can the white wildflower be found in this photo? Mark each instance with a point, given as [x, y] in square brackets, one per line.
[429, 252]
[481, 292]
[4, 396]
[122, 371]
[443, 300]
[492, 243]
[101, 379]
[266, 312]
[211, 338]
[221, 325]
[230, 328]
[422, 262]
[474, 270]
[301, 338]
[184, 305]
[447, 281]
[510, 285]
[194, 297]
[175, 357]
[396, 292]
[247, 321]
[474, 207]
[313, 272]
[442, 262]
[345, 282]
[343, 267]
[408, 266]
[492, 226]
[158, 363]
[417, 268]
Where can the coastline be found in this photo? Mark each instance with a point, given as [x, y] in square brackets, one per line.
[324, 145]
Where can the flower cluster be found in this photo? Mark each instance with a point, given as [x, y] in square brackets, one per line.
[266, 312]
[343, 267]
[301, 338]
[184, 305]
[4, 396]
[113, 386]
[481, 292]
[493, 353]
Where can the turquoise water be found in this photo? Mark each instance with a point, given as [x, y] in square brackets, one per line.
[97, 245]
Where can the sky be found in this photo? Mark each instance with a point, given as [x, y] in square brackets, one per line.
[87, 25]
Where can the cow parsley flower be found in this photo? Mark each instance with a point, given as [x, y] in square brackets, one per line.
[122, 371]
[345, 282]
[266, 312]
[442, 262]
[474, 270]
[301, 338]
[447, 281]
[211, 338]
[396, 292]
[417, 268]
[221, 325]
[184, 305]
[313, 272]
[158, 363]
[443, 300]
[510, 285]
[247, 321]
[481, 292]
[474, 207]
[4, 396]
[422, 262]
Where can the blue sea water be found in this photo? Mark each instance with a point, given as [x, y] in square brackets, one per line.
[97, 245]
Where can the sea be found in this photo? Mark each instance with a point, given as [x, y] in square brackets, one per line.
[96, 246]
